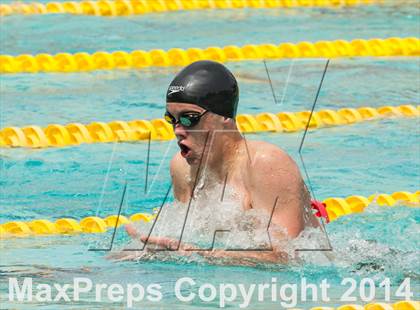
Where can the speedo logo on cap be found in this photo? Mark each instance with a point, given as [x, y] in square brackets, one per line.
[175, 89]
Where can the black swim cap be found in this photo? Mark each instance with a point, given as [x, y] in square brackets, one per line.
[207, 84]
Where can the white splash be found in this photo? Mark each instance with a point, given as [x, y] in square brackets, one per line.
[208, 222]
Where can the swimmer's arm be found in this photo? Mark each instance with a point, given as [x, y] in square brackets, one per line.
[229, 257]
[276, 183]
[179, 175]
[246, 258]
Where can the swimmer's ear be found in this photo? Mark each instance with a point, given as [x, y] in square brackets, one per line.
[231, 121]
[226, 121]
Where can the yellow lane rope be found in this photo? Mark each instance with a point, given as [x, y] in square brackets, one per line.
[83, 62]
[399, 305]
[90, 224]
[133, 7]
[336, 207]
[55, 135]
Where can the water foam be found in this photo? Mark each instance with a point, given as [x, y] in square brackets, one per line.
[212, 220]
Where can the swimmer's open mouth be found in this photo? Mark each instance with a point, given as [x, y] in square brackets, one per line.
[185, 150]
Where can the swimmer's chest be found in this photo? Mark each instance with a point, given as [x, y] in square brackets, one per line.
[238, 181]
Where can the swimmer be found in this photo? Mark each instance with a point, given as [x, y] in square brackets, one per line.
[201, 105]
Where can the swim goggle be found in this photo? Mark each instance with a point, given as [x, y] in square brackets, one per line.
[187, 119]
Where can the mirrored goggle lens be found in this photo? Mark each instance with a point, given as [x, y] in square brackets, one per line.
[188, 120]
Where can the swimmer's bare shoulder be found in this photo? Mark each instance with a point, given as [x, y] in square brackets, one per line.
[180, 174]
[274, 176]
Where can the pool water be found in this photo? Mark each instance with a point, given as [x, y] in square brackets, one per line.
[360, 159]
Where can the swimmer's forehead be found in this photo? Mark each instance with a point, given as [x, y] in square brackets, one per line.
[182, 107]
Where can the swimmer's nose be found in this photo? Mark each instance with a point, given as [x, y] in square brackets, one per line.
[180, 131]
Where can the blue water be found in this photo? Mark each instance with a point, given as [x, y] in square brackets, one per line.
[364, 158]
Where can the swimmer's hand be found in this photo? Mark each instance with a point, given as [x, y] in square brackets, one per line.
[158, 243]
[249, 258]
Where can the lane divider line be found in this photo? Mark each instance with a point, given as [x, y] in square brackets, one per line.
[138, 59]
[336, 207]
[56, 135]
